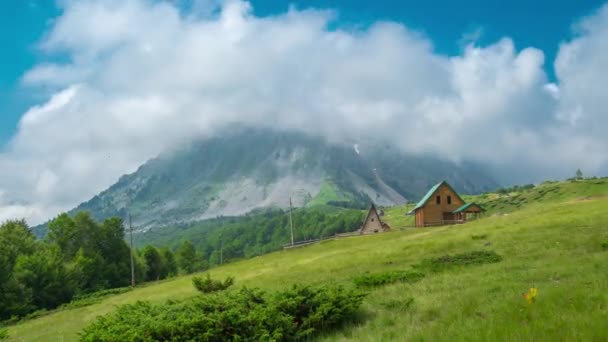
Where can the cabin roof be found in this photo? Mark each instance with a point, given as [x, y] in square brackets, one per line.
[466, 206]
[369, 212]
[430, 193]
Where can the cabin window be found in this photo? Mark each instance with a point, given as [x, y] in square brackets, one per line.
[372, 219]
[449, 199]
[438, 199]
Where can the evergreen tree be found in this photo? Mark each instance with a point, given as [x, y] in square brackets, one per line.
[154, 263]
[115, 252]
[169, 262]
[186, 257]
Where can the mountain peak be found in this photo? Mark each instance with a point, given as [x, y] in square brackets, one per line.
[248, 169]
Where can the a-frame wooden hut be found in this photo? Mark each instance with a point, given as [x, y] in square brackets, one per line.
[372, 223]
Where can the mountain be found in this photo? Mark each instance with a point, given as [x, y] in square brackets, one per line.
[250, 169]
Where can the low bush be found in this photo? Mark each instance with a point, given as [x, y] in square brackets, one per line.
[245, 315]
[383, 278]
[463, 259]
[208, 285]
[605, 245]
[77, 302]
[94, 297]
[3, 334]
[516, 188]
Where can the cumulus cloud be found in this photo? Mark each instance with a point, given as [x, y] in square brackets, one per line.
[582, 68]
[143, 75]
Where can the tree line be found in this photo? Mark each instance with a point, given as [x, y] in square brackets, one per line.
[225, 239]
[78, 256]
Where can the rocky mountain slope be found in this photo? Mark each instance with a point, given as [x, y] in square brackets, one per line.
[246, 169]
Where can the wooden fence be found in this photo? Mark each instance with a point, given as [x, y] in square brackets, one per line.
[310, 242]
[335, 237]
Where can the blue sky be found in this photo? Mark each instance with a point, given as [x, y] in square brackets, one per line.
[541, 24]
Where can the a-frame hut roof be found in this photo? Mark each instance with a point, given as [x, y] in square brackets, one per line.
[373, 223]
[369, 212]
[430, 193]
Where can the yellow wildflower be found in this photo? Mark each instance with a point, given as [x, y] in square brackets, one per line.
[530, 296]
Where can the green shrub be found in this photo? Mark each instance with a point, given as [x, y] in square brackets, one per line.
[246, 315]
[605, 245]
[312, 310]
[208, 285]
[3, 334]
[94, 297]
[383, 278]
[479, 237]
[463, 259]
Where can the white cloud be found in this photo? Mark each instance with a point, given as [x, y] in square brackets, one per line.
[582, 68]
[143, 75]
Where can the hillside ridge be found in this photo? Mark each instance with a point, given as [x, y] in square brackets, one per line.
[554, 244]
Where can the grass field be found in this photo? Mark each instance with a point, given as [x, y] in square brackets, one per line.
[396, 218]
[553, 242]
[328, 192]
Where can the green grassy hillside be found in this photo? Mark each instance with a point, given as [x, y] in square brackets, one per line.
[553, 240]
[509, 200]
[396, 216]
[330, 192]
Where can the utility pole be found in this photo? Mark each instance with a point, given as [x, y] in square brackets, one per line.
[221, 239]
[132, 262]
[291, 219]
[221, 249]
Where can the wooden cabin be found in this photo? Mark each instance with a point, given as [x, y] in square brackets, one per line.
[442, 205]
[468, 211]
[372, 223]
